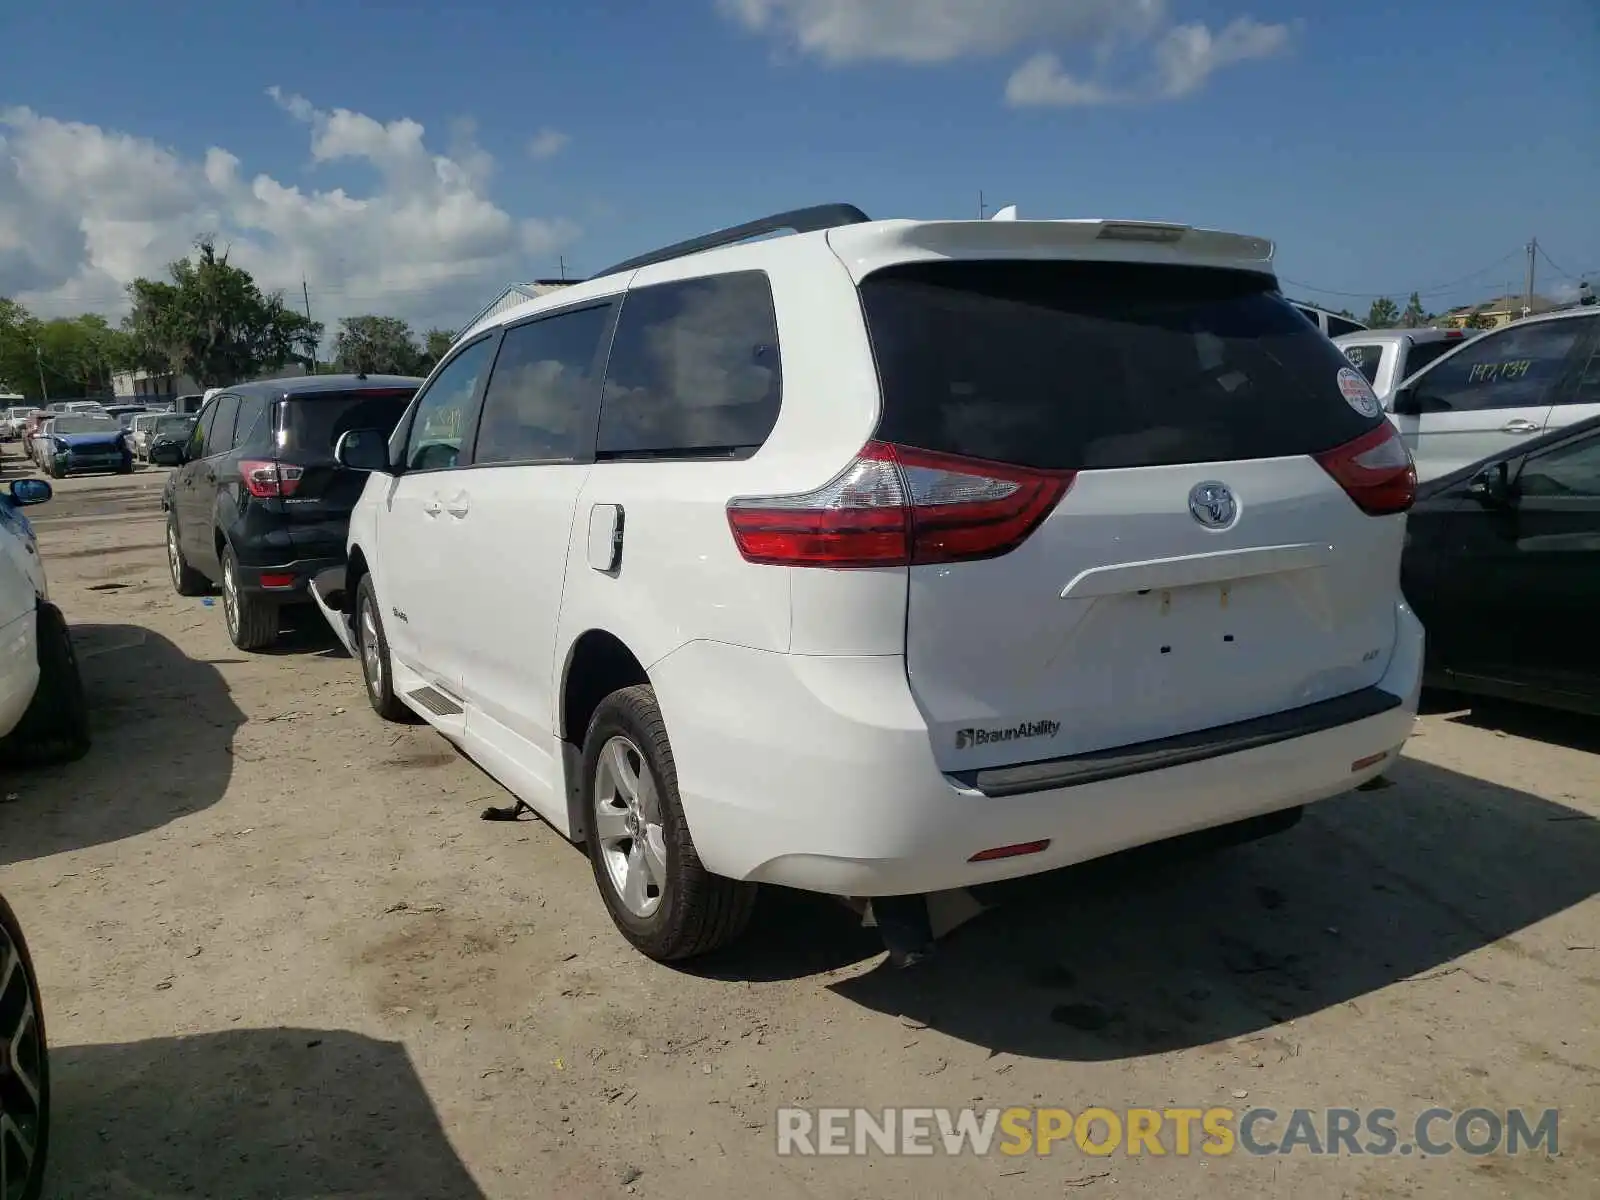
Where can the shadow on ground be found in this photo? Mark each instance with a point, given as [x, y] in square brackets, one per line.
[1576, 731]
[271, 1113]
[163, 724]
[1159, 950]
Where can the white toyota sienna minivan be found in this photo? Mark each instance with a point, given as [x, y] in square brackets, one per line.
[888, 557]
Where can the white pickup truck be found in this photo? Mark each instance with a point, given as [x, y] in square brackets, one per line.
[1388, 357]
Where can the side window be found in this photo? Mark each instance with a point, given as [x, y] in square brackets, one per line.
[694, 369]
[220, 439]
[1338, 327]
[200, 439]
[252, 431]
[1514, 368]
[1585, 387]
[1365, 359]
[1572, 470]
[438, 423]
[540, 389]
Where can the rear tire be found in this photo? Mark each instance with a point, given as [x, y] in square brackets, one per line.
[55, 727]
[22, 1034]
[673, 908]
[372, 647]
[252, 621]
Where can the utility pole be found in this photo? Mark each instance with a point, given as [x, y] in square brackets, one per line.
[305, 294]
[44, 390]
[561, 260]
[982, 207]
[1527, 303]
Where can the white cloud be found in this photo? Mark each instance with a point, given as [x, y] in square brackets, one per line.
[1133, 49]
[548, 143]
[84, 210]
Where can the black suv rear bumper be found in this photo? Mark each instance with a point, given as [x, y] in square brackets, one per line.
[288, 583]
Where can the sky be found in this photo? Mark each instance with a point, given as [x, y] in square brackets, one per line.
[412, 159]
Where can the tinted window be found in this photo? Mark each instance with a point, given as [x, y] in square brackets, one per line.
[312, 424]
[1514, 368]
[1423, 353]
[1573, 470]
[1338, 326]
[252, 430]
[540, 390]
[439, 423]
[200, 439]
[1365, 359]
[220, 438]
[694, 369]
[1068, 365]
[1586, 381]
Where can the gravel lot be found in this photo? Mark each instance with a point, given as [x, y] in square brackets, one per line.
[282, 957]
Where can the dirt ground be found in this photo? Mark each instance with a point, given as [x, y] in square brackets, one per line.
[282, 957]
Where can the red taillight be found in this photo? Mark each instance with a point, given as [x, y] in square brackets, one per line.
[1375, 470]
[894, 506]
[1015, 851]
[264, 478]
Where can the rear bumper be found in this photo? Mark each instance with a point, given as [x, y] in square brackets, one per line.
[289, 582]
[817, 773]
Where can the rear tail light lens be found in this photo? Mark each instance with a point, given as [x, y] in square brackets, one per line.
[1375, 470]
[894, 506]
[264, 478]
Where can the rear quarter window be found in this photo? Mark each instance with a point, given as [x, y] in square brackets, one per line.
[1072, 365]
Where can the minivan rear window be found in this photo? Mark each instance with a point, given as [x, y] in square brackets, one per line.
[312, 424]
[1074, 365]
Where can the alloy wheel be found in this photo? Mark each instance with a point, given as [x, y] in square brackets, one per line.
[371, 652]
[627, 816]
[174, 556]
[230, 597]
[21, 1073]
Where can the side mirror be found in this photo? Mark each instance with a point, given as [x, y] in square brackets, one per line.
[1406, 403]
[362, 450]
[29, 491]
[1491, 487]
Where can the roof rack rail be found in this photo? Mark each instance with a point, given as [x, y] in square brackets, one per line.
[800, 220]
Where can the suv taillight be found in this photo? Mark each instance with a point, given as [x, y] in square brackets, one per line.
[264, 478]
[1375, 470]
[895, 506]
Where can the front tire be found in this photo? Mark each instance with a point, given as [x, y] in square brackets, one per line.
[252, 621]
[649, 874]
[55, 727]
[372, 646]
[186, 581]
[25, 1077]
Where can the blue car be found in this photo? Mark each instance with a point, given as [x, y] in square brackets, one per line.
[87, 442]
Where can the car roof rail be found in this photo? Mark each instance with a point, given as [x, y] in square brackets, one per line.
[799, 220]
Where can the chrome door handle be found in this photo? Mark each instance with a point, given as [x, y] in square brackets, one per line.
[432, 507]
[460, 505]
[1519, 426]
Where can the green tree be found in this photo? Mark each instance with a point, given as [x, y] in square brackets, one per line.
[1383, 314]
[212, 323]
[435, 345]
[1476, 320]
[374, 345]
[1413, 315]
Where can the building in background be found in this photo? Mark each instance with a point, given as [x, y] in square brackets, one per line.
[1492, 314]
[519, 293]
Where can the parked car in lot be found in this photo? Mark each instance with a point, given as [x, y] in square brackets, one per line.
[82, 442]
[39, 443]
[1331, 324]
[1388, 357]
[13, 420]
[1499, 389]
[884, 558]
[43, 713]
[30, 429]
[259, 504]
[1502, 563]
[140, 427]
[168, 437]
[24, 1067]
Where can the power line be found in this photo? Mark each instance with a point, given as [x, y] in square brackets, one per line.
[1432, 290]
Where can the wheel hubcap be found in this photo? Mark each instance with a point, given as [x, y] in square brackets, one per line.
[21, 1073]
[174, 559]
[230, 596]
[371, 656]
[627, 814]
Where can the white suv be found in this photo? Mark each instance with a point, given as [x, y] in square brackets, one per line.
[890, 557]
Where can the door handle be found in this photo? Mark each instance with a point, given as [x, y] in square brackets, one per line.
[1519, 426]
[432, 507]
[460, 504]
